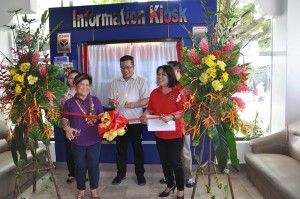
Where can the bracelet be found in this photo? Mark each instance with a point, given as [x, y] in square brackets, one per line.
[174, 118]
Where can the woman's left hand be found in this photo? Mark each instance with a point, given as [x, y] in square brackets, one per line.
[167, 118]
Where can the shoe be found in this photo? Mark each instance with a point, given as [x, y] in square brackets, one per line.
[180, 197]
[70, 179]
[141, 180]
[162, 181]
[80, 196]
[189, 183]
[95, 197]
[165, 193]
[117, 180]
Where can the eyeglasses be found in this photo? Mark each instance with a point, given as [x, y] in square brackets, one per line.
[126, 68]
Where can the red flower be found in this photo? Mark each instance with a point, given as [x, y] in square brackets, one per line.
[237, 70]
[43, 71]
[24, 57]
[239, 102]
[242, 88]
[228, 47]
[204, 46]
[35, 58]
[217, 53]
[27, 40]
[194, 57]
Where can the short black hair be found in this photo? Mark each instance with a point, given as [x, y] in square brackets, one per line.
[71, 72]
[81, 77]
[126, 58]
[176, 65]
[170, 73]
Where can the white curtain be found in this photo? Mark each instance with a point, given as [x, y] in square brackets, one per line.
[104, 63]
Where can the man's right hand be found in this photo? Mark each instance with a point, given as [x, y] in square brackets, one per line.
[115, 103]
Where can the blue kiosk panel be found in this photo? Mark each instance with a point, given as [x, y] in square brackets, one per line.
[129, 22]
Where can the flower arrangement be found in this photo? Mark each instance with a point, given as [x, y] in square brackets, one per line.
[213, 78]
[31, 92]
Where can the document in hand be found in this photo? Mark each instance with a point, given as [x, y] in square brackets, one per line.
[159, 125]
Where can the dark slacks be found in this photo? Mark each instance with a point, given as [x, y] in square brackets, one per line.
[170, 156]
[134, 133]
[69, 156]
[87, 159]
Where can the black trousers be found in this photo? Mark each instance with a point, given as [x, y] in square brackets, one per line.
[134, 133]
[170, 153]
[69, 155]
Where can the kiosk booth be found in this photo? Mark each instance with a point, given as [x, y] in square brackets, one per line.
[93, 38]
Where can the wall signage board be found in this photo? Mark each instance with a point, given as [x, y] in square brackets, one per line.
[155, 14]
[125, 21]
[64, 42]
[199, 32]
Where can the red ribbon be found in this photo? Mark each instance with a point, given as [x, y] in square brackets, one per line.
[128, 119]
[81, 115]
[113, 122]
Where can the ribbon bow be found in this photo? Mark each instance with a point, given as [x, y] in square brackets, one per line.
[112, 125]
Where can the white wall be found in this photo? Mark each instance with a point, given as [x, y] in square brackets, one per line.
[286, 66]
[279, 70]
[5, 46]
[293, 63]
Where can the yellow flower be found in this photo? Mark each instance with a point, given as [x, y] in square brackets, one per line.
[19, 78]
[209, 61]
[24, 67]
[217, 85]
[13, 71]
[212, 72]
[225, 76]
[32, 79]
[203, 78]
[211, 57]
[18, 89]
[221, 64]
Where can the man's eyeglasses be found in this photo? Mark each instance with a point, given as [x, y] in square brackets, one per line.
[126, 68]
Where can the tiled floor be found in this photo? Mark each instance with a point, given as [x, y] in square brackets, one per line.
[128, 189]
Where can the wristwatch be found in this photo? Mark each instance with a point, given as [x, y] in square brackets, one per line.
[174, 118]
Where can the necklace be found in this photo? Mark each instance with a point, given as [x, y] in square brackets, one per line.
[84, 111]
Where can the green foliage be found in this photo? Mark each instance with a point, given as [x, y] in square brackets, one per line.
[254, 130]
[31, 90]
[212, 78]
[244, 25]
[232, 147]
[220, 145]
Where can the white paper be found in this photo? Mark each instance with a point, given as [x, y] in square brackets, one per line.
[159, 125]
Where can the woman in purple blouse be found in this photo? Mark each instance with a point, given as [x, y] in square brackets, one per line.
[82, 132]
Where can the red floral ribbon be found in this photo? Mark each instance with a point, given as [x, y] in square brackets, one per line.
[112, 124]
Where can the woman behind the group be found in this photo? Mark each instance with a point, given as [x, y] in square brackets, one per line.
[70, 93]
[163, 101]
[86, 143]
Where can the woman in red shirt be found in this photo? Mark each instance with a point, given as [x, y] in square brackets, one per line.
[163, 101]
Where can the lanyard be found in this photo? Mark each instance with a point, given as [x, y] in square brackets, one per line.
[83, 110]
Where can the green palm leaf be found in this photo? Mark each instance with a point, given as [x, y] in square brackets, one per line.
[232, 146]
[220, 145]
